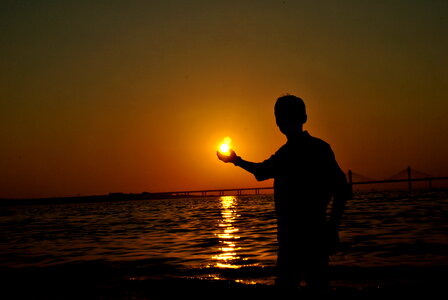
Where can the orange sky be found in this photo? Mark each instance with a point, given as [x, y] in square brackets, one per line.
[133, 96]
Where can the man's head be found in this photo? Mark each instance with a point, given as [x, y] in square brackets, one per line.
[290, 114]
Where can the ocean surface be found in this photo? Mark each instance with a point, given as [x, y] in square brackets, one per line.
[383, 234]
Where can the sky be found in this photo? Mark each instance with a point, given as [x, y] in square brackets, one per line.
[100, 97]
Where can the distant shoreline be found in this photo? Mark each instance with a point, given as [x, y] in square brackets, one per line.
[112, 197]
[117, 197]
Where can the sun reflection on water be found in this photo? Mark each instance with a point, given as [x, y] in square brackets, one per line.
[228, 235]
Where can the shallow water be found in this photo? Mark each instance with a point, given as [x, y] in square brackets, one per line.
[229, 237]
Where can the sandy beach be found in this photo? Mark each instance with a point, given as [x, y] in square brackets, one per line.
[82, 282]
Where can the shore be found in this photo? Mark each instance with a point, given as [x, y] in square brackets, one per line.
[79, 282]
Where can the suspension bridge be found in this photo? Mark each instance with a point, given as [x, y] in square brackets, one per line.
[407, 176]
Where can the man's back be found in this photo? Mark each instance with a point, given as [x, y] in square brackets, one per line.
[306, 175]
[305, 170]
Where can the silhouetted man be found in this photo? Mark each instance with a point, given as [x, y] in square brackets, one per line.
[306, 178]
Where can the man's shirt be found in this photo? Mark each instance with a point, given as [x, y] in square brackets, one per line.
[306, 176]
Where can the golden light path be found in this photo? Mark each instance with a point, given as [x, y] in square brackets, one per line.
[227, 234]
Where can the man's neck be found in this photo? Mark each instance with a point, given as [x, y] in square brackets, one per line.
[297, 134]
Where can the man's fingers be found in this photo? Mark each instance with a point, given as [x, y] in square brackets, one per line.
[219, 155]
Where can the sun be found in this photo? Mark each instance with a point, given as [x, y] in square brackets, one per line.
[224, 148]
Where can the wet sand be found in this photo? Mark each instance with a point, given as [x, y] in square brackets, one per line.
[77, 282]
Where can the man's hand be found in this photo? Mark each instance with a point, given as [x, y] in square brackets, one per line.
[232, 158]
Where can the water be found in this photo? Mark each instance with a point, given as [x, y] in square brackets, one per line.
[232, 238]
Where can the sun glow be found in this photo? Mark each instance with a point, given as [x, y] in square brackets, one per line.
[224, 148]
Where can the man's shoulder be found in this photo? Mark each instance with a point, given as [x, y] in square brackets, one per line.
[305, 143]
[316, 142]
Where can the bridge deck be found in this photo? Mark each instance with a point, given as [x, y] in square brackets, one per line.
[257, 189]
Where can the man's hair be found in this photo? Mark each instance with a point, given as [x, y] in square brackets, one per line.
[291, 107]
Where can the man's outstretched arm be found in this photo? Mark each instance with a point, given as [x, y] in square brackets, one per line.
[259, 170]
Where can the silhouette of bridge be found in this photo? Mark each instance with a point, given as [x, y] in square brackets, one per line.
[408, 175]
